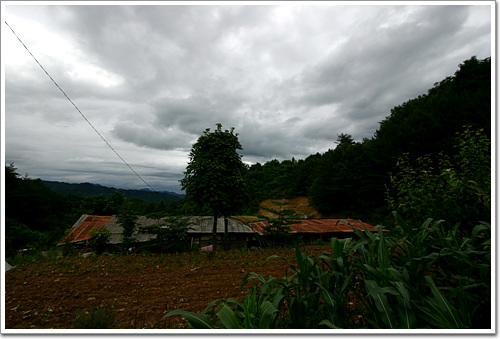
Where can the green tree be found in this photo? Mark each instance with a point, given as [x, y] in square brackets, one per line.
[128, 220]
[171, 234]
[114, 203]
[99, 239]
[215, 174]
[279, 228]
[95, 205]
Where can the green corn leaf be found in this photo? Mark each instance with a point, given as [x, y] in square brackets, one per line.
[327, 295]
[406, 315]
[346, 283]
[337, 247]
[386, 312]
[328, 323]
[401, 223]
[434, 315]
[249, 310]
[373, 288]
[198, 321]
[383, 253]
[442, 305]
[231, 301]
[228, 318]
[267, 314]
[251, 302]
[481, 227]
[381, 302]
[460, 255]
[369, 233]
[340, 264]
[278, 296]
[403, 292]
[361, 235]
[301, 262]
[212, 304]
[377, 272]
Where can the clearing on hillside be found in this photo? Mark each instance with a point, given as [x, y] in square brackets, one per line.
[301, 205]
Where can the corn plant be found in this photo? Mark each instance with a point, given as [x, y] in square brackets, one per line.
[259, 309]
[403, 277]
[298, 301]
[425, 277]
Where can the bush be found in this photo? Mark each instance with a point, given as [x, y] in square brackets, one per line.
[455, 192]
[18, 236]
[98, 317]
[171, 235]
[278, 231]
[99, 239]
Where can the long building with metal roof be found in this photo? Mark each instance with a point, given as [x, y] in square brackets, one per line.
[241, 234]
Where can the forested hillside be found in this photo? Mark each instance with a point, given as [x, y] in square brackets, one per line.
[88, 189]
[350, 179]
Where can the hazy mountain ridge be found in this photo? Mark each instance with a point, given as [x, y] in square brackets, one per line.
[88, 189]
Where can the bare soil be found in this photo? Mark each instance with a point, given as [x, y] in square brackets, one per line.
[301, 206]
[143, 288]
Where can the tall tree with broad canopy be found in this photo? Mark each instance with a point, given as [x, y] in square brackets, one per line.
[215, 174]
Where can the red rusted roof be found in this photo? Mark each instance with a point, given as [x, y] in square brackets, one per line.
[82, 232]
[317, 225]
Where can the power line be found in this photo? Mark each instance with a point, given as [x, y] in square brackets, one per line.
[83, 116]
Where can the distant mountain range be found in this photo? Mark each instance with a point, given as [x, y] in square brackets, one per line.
[87, 189]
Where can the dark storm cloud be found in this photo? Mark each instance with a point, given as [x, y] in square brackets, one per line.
[382, 65]
[152, 78]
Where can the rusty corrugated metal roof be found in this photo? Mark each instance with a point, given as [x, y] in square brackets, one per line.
[204, 224]
[81, 230]
[317, 225]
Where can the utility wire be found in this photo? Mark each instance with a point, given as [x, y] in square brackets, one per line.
[83, 116]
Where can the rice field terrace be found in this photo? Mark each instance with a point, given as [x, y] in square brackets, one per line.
[47, 293]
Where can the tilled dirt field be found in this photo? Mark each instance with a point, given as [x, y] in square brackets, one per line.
[143, 288]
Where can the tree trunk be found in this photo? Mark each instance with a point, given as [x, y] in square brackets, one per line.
[214, 233]
[226, 236]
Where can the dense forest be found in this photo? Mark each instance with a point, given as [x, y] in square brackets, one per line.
[352, 179]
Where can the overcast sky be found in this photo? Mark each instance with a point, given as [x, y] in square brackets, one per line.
[152, 78]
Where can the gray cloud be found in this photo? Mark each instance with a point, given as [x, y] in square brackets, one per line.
[153, 78]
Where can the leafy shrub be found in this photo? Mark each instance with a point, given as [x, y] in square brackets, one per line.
[278, 230]
[97, 317]
[127, 218]
[458, 192]
[171, 235]
[99, 239]
[19, 236]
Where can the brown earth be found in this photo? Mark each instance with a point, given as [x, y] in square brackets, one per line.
[301, 206]
[143, 288]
